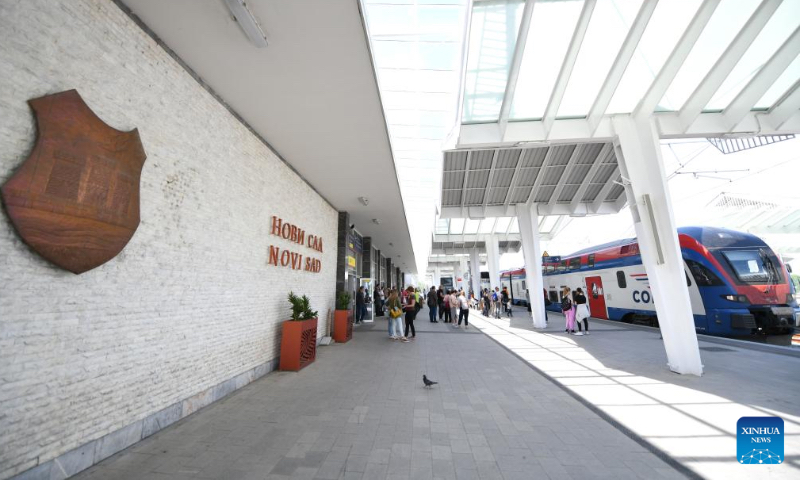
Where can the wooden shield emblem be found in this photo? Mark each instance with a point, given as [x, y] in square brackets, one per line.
[75, 200]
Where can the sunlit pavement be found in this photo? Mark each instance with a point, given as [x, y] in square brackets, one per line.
[360, 411]
[622, 371]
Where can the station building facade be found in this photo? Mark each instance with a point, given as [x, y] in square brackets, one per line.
[192, 308]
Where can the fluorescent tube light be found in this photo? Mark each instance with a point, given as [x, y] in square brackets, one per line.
[245, 18]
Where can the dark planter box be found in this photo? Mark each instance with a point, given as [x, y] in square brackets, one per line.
[342, 326]
[298, 344]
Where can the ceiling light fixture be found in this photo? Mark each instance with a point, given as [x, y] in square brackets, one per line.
[364, 200]
[247, 21]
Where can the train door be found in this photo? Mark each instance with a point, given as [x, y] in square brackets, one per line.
[596, 297]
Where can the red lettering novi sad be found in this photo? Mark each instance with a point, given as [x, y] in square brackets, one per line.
[287, 258]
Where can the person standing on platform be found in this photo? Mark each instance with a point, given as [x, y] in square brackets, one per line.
[433, 302]
[496, 302]
[440, 302]
[453, 306]
[376, 299]
[464, 314]
[581, 311]
[360, 307]
[566, 309]
[411, 313]
[395, 310]
[505, 298]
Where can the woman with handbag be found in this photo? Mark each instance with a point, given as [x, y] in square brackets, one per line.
[395, 317]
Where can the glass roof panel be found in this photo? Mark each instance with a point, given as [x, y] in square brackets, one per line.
[725, 23]
[493, 36]
[513, 228]
[417, 52]
[783, 22]
[789, 77]
[471, 226]
[552, 25]
[665, 28]
[502, 224]
[456, 226]
[487, 225]
[442, 226]
[547, 224]
[608, 27]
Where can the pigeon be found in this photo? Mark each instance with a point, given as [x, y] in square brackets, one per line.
[427, 382]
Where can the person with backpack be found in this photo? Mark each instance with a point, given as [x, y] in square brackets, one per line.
[411, 312]
[487, 302]
[496, 302]
[506, 300]
[566, 309]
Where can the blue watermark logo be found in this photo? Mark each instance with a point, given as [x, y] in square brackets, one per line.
[759, 440]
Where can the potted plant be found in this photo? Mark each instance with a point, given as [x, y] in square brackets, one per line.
[343, 318]
[299, 339]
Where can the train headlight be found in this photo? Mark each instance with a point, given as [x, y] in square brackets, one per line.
[736, 298]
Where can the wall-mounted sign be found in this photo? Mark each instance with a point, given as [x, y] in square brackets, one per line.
[351, 261]
[291, 259]
[75, 200]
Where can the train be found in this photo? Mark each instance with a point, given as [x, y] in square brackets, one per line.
[737, 284]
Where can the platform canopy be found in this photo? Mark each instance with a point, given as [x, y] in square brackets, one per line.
[572, 179]
[559, 70]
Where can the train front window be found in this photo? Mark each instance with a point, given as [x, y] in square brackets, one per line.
[754, 267]
[703, 276]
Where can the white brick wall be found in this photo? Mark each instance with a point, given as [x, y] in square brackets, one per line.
[191, 301]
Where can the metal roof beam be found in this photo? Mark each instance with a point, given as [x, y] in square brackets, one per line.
[489, 180]
[516, 62]
[601, 196]
[566, 67]
[624, 56]
[762, 81]
[464, 183]
[576, 152]
[514, 177]
[608, 149]
[786, 107]
[675, 61]
[723, 67]
[538, 181]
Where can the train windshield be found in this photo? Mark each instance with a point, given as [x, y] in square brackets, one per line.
[754, 267]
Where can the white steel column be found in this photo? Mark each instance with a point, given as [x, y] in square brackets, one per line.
[639, 156]
[531, 249]
[457, 273]
[493, 259]
[437, 276]
[475, 271]
[464, 271]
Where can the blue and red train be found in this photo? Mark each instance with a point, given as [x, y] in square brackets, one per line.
[737, 285]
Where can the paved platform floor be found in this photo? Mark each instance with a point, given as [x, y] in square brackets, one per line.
[361, 412]
[621, 371]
